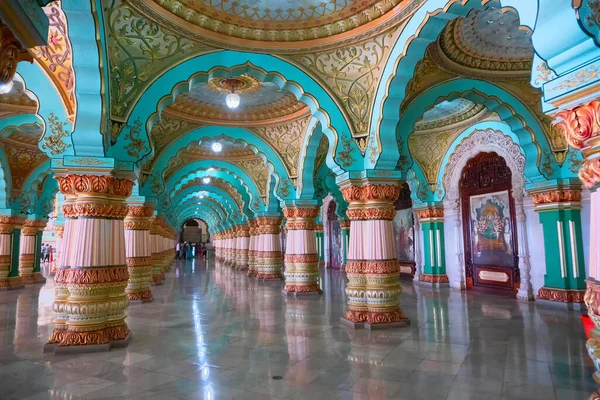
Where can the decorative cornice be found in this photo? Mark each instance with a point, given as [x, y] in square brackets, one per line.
[430, 213]
[556, 195]
[94, 184]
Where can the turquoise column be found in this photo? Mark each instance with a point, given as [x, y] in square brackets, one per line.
[320, 235]
[14, 279]
[431, 219]
[559, 209]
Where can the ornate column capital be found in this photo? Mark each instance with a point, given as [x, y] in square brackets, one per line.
[270, 225]
[371, 201]
[581, 126]
[95, 195]
[32, 226]
[138, 217]
[430, 214]
[556, 196]
[9, 223]
[301, 218]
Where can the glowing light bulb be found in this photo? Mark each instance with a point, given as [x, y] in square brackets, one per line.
[206, 180]
[216, 147]
[232, 100]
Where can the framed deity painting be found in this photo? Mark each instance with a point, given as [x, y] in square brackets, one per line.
[489, 227]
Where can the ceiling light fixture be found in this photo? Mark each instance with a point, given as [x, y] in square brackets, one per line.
[232, 100]
[216, 147]
[206, 180]
[6, 87]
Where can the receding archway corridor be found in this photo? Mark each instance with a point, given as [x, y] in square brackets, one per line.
[215, 333]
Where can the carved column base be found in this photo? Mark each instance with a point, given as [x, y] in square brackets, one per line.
[65, 340]
[34, 278]
[561, 295]
[525, 295]
[431, 278]
[11, 283]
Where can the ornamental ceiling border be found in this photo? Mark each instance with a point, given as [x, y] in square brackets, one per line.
[132, 72]
[56, 58]
[196, 33]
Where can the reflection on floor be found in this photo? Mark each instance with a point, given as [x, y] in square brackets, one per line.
[213, 333]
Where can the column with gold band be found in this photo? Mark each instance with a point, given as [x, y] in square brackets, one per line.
[243, 243]
[301, 258]
[138, 252]
[155, 255]
[269, 256]
[96, 277]
[10, 235]
[252, 248]
[30, 251]
[373, 271]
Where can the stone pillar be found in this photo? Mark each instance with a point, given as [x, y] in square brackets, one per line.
[243, 241]
[345, 228]
[138, 252]
[30, 251]
[301, 258]
[373, 271]
[10, 235]
[559, 210]
[235, 245]
[434, 263]
[525, 292]
[216, 240]
[252, 270]
[158, 276]
[581, 126]
[95, 278]
[320, 238]
[269, 255]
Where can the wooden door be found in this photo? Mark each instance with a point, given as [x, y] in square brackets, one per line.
[489, 227]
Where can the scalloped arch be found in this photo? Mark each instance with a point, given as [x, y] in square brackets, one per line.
[421, 30]
[288, 77]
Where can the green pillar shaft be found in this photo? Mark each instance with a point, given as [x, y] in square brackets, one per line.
[563, 247]
[14, 253]
[434, 262]
[345, 241]
[37, 252]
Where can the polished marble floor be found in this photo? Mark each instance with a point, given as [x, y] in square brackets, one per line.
[213, 333]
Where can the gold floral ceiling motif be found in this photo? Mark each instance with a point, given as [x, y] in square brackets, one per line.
[287, 140]
[439, 127]
[489, 40]
[351, 74]
[239, 84]
[163, 133]
[16, 102]
[258, 172]
[56, 57]
[321, 154]
[138, 51]
[276, 25]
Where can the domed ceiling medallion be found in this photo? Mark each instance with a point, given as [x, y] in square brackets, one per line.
[243, 84]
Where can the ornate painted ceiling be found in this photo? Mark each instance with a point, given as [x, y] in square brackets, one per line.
[262, 103]
[276, 25]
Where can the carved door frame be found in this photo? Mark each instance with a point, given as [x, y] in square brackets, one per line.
[491, 184]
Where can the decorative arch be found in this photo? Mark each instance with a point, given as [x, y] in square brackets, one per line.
[510, 109]
[288, 77]
[488, 140]
[421, 30]
[233, 135]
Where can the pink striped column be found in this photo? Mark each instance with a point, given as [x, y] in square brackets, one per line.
[138, 252]
[252, 271]
[158, 276]
[243, 241]
[301, 258]
[372, 267]
[269, 256]
[96, 276]
[29, 251]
